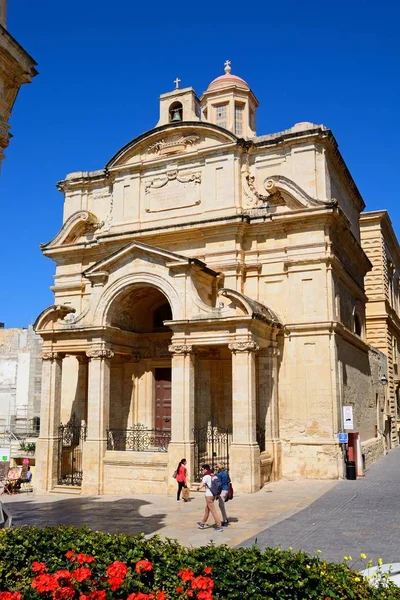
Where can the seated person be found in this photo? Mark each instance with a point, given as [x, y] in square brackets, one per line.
[27, 479]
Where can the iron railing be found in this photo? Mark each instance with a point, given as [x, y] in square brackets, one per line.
[70, 449]
[138, 438]
[211, 443]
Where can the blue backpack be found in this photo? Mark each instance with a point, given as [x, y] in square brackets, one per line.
[216, 486]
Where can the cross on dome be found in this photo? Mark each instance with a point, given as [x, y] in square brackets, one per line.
[227, 65]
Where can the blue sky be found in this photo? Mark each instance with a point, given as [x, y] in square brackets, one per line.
[103, 65]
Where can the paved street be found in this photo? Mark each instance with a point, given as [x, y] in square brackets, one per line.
[353, 517]
[340, 518]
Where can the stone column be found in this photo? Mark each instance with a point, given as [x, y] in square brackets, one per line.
[81, 388]
[244, 453]
[50, 410]
[269, 412]
[182, 411]
[98, 410]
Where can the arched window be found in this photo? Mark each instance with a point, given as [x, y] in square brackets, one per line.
[175, 112]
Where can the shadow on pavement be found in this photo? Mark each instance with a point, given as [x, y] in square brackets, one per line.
[119, 516]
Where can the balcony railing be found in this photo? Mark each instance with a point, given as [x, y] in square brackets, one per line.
[138, 438]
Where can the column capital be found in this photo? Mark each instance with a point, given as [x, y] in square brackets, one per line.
[50, 355]
[181, 349]
[99, 353]
[248, 346]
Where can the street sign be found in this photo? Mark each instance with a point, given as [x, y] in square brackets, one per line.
[348, 417]
[343, 438]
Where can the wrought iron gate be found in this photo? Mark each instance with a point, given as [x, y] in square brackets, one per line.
[211, 446]
[70, 445]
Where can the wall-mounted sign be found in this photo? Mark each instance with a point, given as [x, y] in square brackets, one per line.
[343, 438]
[4, 454]
[348, 417]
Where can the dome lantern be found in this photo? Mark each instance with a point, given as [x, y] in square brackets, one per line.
[229, 102]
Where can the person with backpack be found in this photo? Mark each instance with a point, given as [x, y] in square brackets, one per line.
[212, 486]
[224, 478]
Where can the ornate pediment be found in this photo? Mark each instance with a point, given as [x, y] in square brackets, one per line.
[99, 272]
[171, 140]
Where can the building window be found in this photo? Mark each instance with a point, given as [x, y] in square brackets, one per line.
[239, 108]
[221, 114]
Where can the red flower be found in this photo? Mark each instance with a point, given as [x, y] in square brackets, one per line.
[64, 593]
[115, 582]
[117, 569]
[143, 565]
[81, 574]
[38, 567]
[84, 558]
[97, 595]
[207, 570]
[186, 574]
[161, 596]
[10, 596]
[179, 590]
[44, 583]
[204, 595]
[190, 593]
[62, 574]
[70, 555]
[202, 583]
[140, 596]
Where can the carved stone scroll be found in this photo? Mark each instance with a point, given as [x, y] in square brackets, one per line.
[52, 355]
[249, 346]
[99, 353]
[181, 349]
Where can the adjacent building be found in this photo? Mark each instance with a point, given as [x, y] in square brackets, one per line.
[380, 244]
[20, 380]
[209, 303]
[16, 68]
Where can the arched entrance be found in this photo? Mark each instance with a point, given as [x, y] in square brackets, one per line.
[140, 382]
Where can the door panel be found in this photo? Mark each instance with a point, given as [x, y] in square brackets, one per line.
[163, 399]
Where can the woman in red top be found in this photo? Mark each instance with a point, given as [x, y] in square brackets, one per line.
[181, 477]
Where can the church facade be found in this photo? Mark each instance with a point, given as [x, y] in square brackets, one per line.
[209, 304]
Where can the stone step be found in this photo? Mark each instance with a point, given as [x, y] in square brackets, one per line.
[73, 490]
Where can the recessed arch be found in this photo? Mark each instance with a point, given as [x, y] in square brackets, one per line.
[137, 280]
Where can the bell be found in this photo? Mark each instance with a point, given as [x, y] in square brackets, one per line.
[176, 116]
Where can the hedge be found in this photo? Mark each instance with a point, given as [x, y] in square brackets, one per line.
[236, 573]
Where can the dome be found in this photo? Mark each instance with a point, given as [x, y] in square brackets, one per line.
[227, 80]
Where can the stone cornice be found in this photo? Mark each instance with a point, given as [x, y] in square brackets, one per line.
[24, 61]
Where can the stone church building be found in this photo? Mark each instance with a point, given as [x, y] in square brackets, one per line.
[209, 304]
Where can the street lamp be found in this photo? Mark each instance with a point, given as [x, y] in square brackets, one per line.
[383, 380]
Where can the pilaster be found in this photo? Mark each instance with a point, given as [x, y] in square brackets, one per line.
[182, 409]
[269, 407]
[244, 453]
[47, 444]
[98, 403]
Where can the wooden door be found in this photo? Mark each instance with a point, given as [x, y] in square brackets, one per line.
[163, 399]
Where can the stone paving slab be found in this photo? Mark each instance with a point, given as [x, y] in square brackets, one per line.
[353, 517]
[163, 515]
